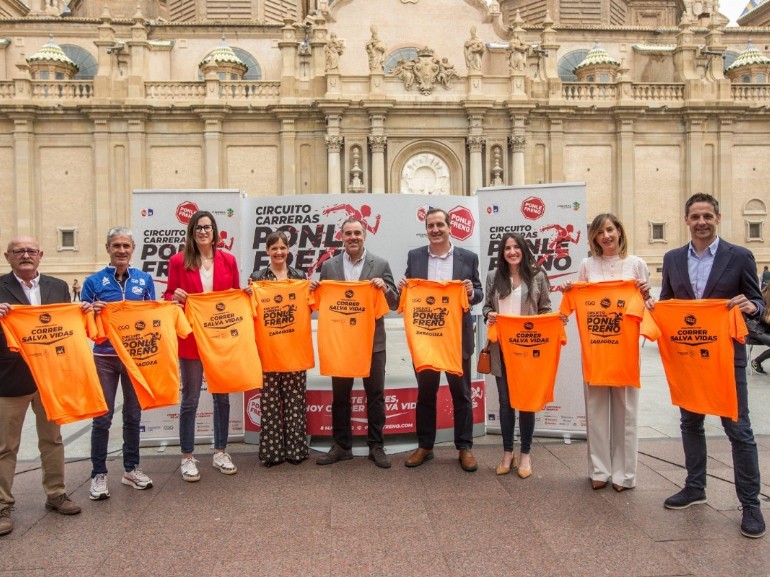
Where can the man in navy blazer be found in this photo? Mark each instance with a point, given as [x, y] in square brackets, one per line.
[353, 264]
[24, 285]
[441, 260]
[709, 267]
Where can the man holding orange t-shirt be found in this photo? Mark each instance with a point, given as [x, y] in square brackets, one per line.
[709, 267]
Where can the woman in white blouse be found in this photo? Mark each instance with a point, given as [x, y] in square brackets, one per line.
[516, 287]
[611, 412]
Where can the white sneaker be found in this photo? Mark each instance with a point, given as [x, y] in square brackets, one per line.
[99, 489]
[224, 463]
[189, 470]
[137, 479]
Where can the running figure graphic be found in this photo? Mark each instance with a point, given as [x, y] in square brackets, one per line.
[349, 211]
[556, 244]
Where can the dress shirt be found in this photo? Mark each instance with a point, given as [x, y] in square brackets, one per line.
[440, 267]
[352, 269]
[31, 292]
[699, 267]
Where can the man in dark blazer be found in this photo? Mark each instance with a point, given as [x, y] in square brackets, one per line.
[353, 264]
[24, 285]
[441, 260]
[709, 267]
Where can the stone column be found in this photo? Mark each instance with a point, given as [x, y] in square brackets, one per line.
[377, 143]
[334, 175]
[212, 138]
[625, 180]
[694, 155]
[556, 168]
[476, 169]
[137, 159]
[288, 156]
[518, 145]
[23, 148]
[108, 207]
[723, 186]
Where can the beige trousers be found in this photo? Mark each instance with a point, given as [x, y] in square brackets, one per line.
[13, 410]
[613, 438]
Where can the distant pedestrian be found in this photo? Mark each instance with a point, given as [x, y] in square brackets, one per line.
[75, 291]
[765, 277]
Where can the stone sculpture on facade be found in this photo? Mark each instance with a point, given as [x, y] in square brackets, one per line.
[474, 51]
[425, 71]
[332, 51]
[375, 49]
[518, 50]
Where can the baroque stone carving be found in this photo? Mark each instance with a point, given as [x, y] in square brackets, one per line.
[475, 143]
[474, 50]
[375, 50]
[425, 72]
[377, 142]
[334, 142]
[518, 51]
[518, 142]
[332, 51]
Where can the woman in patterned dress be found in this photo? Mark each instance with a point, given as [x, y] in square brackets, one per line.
[283, 404]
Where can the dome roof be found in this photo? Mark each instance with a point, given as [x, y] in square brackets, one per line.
[223, 54]
[52, 52]
[748, 57]
[597, 56]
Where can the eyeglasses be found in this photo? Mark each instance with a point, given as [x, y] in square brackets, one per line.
[203, 228]
[21, 251]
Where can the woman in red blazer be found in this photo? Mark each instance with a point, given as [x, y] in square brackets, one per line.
[200, 268]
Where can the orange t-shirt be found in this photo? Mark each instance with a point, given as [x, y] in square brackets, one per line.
[282, 325]
[433, 318]
[695, 339]
[347, 311]
[608, 315]
[53, 340]
[147, 331]
[223, 325]
[531, 347]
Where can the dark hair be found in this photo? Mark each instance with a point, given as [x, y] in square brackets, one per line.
[434, 210]
[596, 227]
[527, 269]
[192, 256]
[274, 237]
[701, 197]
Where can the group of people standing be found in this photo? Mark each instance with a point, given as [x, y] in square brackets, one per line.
[516, 287]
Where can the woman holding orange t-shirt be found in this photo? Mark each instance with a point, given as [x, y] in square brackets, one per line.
[200, 268]
[611, 412]
[283, 402]
[516, 287]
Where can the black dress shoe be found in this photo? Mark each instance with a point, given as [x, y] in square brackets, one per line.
[377, 454]
[687, 497]
[752, 524]
[336, 453]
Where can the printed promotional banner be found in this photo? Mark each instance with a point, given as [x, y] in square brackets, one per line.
[394, 224]
[159, 221]
[552, 220]
[400, 405]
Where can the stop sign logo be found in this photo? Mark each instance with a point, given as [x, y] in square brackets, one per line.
[461, 223]
[533, 208]
[185, 211]
[254, 411]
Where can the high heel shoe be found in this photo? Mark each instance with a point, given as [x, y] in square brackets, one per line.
[501, 469]
[596, 485]
[524, 472]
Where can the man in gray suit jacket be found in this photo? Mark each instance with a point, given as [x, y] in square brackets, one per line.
[24, 285]
[441, 260]
[353, 264]
[709, 267]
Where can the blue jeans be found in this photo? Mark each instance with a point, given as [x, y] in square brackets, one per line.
[508, 416]
[745, 459]
[192, 381]
[111, 371]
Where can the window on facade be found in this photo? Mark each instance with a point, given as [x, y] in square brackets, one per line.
[746, 79]
[407, 53]
[87, 66]
[567, 63]
[760, 78]
[754, 231]
[657, 232]
[67, 238]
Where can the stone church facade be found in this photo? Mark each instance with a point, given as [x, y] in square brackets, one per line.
[647, 101]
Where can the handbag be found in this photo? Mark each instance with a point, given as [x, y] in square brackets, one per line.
[484, 364]
[756, 326]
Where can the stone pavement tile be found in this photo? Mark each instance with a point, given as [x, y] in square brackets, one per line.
[513, 559]
[285, 564]
[727, 555]
[373, 551]
[357, 511]
[645, 511]
[60, 572]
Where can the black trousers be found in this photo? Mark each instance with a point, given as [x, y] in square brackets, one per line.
[427, 391]
[374, 386]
